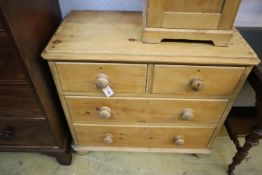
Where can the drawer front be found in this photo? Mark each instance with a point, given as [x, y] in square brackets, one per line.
[19, 100]
[123, 78]
[149, 137]
[1, 25]
[2, 30]
[141, 110]
[25, 133]
[11, 65]
[196, 80]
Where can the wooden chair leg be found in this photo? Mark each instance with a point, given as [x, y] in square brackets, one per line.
[251, 140]
[232, 135]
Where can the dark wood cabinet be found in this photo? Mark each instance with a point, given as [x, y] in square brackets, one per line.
[31, 118]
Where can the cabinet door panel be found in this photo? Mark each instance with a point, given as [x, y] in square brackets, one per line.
[198, 6]
[191, 14]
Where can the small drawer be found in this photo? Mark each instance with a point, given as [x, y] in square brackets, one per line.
[145, 110]
[143, 136]
[25, 133]
[92, 77]
[196, 80]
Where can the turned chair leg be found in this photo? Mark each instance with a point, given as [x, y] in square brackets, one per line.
[232, 135]
[251, 140]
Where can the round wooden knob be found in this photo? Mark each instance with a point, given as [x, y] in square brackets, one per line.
[196, 84]
[105, 113]
[179, 140]
[102, 81]
[108, 139]
[187, 114]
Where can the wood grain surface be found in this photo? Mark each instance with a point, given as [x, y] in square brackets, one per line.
[145, 110]
[81, 77]
[172, 79]
[142, 136]
[70, 43]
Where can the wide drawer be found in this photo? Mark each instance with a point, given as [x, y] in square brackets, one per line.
[89, 77]
[145, 110]
[141, 136]
[196, 80]
[11, 65]
[2, 30]
[19, 100]
[1, 25]
[25, 133]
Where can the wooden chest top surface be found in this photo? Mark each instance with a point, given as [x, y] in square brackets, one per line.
[116, 37]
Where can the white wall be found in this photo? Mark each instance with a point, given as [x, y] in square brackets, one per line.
[249, 15]
[114, 5]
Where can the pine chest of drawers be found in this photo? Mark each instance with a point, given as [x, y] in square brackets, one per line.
[169, 97]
